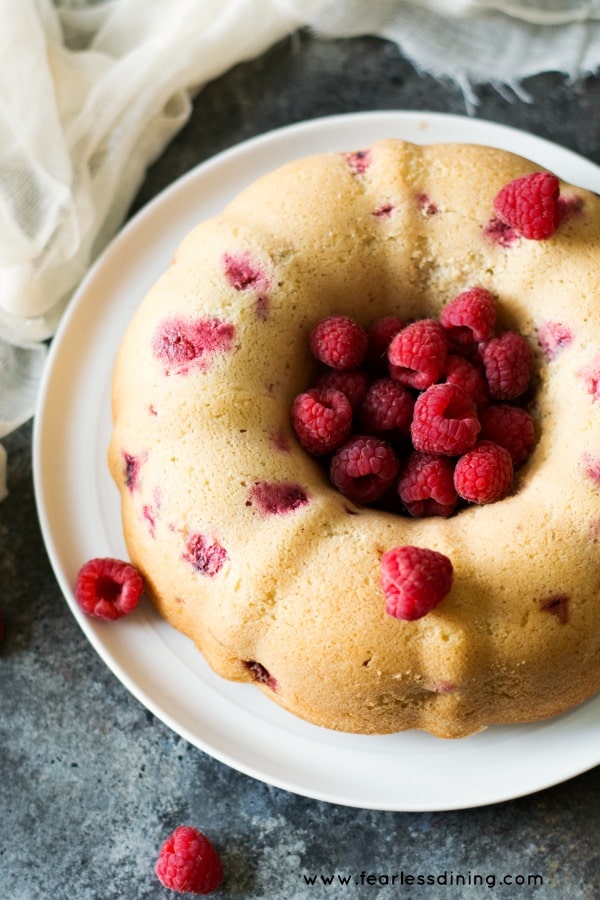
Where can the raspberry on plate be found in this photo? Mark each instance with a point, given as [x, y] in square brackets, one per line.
[353, 384]
[530, 205]
[321, 420]
[387, 408]
[444, 421]
[414, 580]
[380, 335]
[426, 485]
[507, 360]
[470, 317]
[188, 862]
[339, 342]
[363, 469]
[463, 373]
[417, 354]
[108, 588]
[484, 474]
[509, 426]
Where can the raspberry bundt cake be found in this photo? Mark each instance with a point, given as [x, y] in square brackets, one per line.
[382, 617]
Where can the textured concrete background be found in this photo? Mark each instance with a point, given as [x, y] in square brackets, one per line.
[90, 782]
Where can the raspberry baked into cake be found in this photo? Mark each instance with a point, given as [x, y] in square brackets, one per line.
[357, 439]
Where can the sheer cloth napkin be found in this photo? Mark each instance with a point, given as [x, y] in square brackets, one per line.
[91, 93]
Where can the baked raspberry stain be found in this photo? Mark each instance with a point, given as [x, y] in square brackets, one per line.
[383, 211]
[150, 517]
[591, 378]
[260, 674]
[554, 337]
[591, 467]
[277, 498]
[132, 465]
[425, 205]
[205, 555]
[244, 273]
[500, 233]
[182, 344]
[359, 161]
[557, 605]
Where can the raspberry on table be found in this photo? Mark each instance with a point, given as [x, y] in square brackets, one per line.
[444, 421]
[484, 474]
[530, 205]
[509, 426]
[321, 420]
[465, 375]
[353, 384]
[108, 588]
[363, 469]
[414, 580]
[380, 335]
[417, 354]
[188, 862]
[426, 485]
[470, 317]
[339, 342]
[387, 408]
[507, 360]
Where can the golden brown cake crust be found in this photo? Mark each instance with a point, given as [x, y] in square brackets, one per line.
[280, 585]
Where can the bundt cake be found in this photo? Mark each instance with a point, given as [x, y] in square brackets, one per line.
[249, 542]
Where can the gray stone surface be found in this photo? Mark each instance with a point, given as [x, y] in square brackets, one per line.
[91, 783]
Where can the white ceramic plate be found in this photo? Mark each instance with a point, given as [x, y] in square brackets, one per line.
[80, 518]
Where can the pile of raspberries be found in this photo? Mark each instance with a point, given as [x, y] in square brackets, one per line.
[419, 418]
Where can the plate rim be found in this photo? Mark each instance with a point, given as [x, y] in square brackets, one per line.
[78, 302]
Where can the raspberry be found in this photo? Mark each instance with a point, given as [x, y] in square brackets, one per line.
[470, 317]
[188, 862]
[484, 474]
[509, 426]
[530, 205]
[363, 469]
[444, 421]
[507, 362]
[426, 486]
[352, 384]
[387, 407]
[339, 342]
[321, 420]
[465, 375]
[108, 588]
[380, 335]
[417, 354]
[414, 581]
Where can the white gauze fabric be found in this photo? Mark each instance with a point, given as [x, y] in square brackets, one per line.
[91, 93]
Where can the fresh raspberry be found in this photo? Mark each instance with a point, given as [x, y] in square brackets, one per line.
[188, 862]
[363, 469]
[387, 408]
[321, 420]
[339, 342]
[530, 205]
[426, 486]
[484, 474]
[470, 317]
[352, 384]
[108, 588]
[417, 354]
[507, 361]
[444, 421]
[465, 375]
[414, 581]
[509, 426]
[380, 335]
